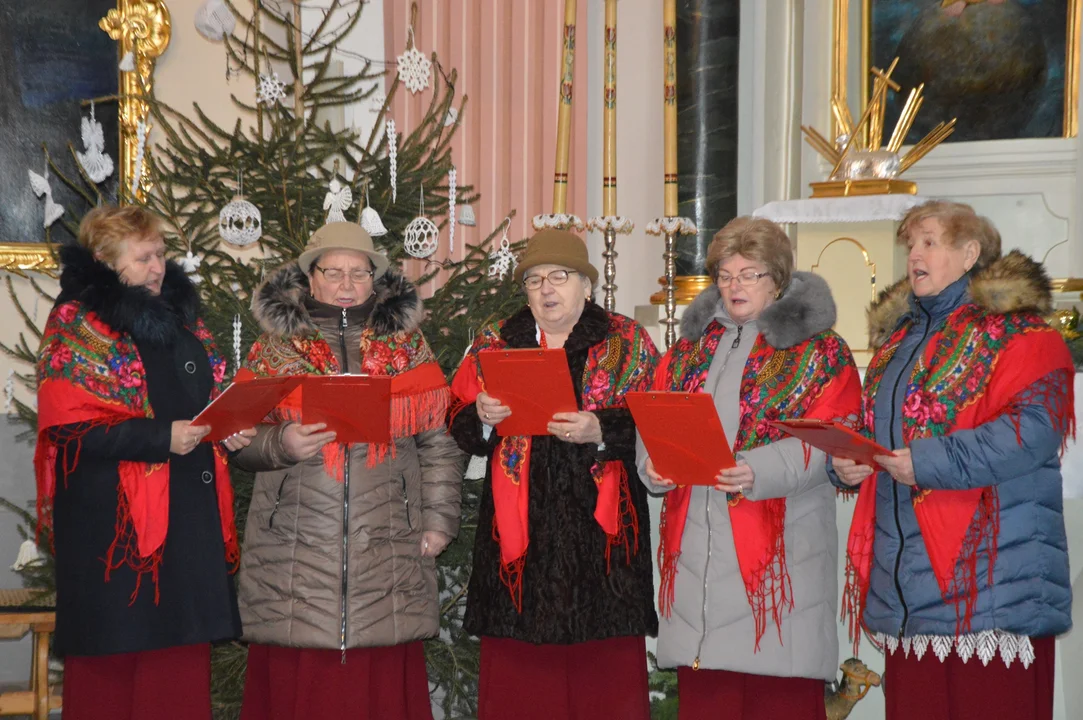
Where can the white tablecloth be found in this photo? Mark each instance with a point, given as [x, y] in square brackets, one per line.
[861, 208]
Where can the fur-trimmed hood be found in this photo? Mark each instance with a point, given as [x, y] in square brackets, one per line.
[1013, 283]
[279, 304]
[805, 310]
[154, 319]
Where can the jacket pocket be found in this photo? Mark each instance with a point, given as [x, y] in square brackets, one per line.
[278, 500]
[405, 494]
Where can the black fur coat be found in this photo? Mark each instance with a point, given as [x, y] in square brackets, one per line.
[568, 597]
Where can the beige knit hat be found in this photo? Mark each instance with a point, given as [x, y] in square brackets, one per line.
[556, 247]
[342, 236]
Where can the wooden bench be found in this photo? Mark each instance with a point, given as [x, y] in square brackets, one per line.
[17, 618]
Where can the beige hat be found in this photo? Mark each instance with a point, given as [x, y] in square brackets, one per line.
[556, 247]
[342, 236]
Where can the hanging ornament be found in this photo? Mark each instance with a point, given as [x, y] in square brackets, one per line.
[421, 237]
[337, 201]
[271, 89]
[214, 20]
[451, 210]
[393, 159]
[377, 100]
[29, 556]
[236, 343]
[40, 185]
[451, 117]
[190, 263]
[239, 222]
[466, 216]
[140, 149]
[95, 163]
[9, 393]
[503, 259]
[127, 63]
[414, 68]
[370, 219]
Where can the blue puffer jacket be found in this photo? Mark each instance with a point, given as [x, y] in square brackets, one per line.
[1031, 594]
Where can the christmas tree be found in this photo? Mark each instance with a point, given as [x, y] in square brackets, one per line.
[294, 171]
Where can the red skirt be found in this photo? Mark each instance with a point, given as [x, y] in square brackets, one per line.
[169, 684]
[584, 681]
[726, 695]
[373, 684]
[953, 690]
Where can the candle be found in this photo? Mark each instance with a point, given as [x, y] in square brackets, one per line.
[669, 20]
[564, 113]
[609, 116]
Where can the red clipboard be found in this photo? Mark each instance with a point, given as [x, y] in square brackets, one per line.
[535, 384]
[683, 435]
[244, 404]
[834, 439]
[356, 407]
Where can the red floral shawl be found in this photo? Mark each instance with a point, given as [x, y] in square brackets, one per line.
[419, 392]
[981, 366]
[622, 363]
[91, 375]
[814, 379]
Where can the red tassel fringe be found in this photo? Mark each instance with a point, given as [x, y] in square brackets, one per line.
[627, 520]
[667, 565]
[770, 584]
[511, 574]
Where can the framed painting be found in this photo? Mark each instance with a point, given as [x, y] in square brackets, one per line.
[55, 58]
[1006, 69]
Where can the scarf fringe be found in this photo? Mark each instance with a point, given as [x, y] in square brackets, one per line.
[769, 584]
[667, 564]
[627, 520]
[124, 550]
[981, 539]
[854, 592]
[511, 574]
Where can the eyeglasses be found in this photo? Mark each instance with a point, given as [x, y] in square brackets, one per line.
[337, 275]
[555, 278]
[745, 279]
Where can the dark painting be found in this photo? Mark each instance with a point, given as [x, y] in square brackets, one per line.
[996, 65]
[53, 56]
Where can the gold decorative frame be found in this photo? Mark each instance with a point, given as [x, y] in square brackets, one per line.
[143, 28]
[840, 59]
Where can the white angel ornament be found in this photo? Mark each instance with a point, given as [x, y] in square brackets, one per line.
[337, 201]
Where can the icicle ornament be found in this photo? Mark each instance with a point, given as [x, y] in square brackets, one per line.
[236, 343]
[393, 159]
[451, 177]
[140, 151]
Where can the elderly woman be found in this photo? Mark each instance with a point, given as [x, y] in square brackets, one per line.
[958, 545]
[141, 513]
[338, 577]
[748, 591]
[562, 582]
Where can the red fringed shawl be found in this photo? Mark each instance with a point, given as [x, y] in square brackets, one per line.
[620, 364]
[814, 379]
[90, 375]
[419, 392]
[980, 367]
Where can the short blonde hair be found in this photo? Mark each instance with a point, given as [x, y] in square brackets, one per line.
[757, 239]
[104, 230]
[960, 224]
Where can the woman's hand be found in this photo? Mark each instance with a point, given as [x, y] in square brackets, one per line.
[655, 478]
[239, 440]
[184, 436]
[849, 472]
[303, 441]
[576, 427]
[900, 467]
[490, 410]
[736, 479]
[433, 543]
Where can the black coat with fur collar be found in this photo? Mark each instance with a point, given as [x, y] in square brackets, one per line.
[197, 600]
[568, 597]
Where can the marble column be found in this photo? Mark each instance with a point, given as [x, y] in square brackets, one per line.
[708, 37]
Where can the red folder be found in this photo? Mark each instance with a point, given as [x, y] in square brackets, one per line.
[683, 435]
[834, 439]
[356, 407]
[244, 404]
[535, 384]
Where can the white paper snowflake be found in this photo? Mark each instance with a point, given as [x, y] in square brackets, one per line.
[337, 201]
[503, 259]
[271, 89]
[415, 69]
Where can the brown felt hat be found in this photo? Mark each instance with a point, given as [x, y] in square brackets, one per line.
[342, 236]
[556, 247]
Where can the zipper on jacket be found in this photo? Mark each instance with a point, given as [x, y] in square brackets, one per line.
[345, 503]
[278, 499]
[894, 485]
[706, 565]
[406, 501]
[737, 340]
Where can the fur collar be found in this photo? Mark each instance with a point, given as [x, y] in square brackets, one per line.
[1013, 283]
[153, 319]
[279, 304]
[521, 330]
[804, 311]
